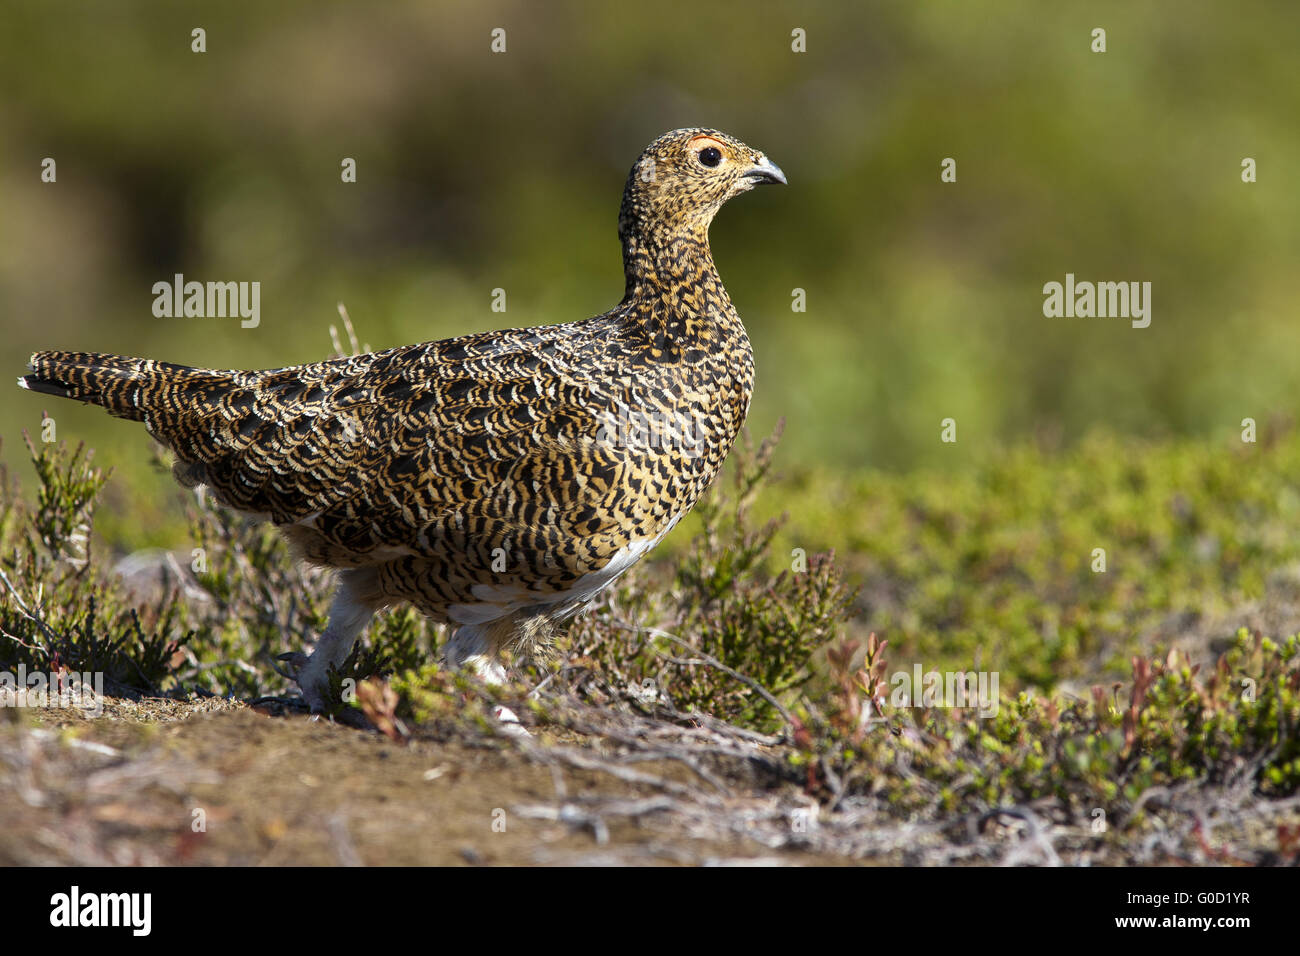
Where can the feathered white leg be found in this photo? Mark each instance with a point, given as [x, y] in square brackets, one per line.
[348, 618]
[476, 646]
[472, 646]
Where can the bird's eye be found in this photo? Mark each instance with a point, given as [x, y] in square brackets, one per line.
[711, 156]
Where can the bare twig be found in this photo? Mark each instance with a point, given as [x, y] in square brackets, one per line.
[27, 613]
[714, 662]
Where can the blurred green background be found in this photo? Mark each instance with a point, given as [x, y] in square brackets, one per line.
[479, 170]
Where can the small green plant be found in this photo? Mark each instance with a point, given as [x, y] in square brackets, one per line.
[57, 612]
[1169, 725]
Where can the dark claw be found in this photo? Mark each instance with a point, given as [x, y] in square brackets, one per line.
[295, 659]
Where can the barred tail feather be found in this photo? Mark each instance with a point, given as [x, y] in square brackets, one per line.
[125, 387]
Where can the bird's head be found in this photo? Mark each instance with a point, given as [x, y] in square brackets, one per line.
[682, 179]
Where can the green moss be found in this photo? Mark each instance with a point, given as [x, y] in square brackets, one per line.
[995, 565]
[1173, 724]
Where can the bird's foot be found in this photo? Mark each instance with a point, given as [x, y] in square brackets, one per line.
[294, 661]
[487, 669]
[509, 722]
[311, 676]
[491, 671]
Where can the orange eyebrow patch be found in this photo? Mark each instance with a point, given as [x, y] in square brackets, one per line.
[704, 141]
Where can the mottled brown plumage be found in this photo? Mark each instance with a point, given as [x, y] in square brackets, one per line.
[497, 481]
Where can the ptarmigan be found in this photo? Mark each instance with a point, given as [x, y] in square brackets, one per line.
[496, 481]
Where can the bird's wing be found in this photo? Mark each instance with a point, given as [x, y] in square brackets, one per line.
[460, 447]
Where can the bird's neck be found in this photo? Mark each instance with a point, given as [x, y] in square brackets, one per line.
[659, 261]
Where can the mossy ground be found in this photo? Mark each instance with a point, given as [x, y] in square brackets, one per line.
[733, 697]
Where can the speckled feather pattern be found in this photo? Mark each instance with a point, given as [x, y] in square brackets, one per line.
[414, 465]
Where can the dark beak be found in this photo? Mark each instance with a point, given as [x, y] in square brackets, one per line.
[765, 171]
